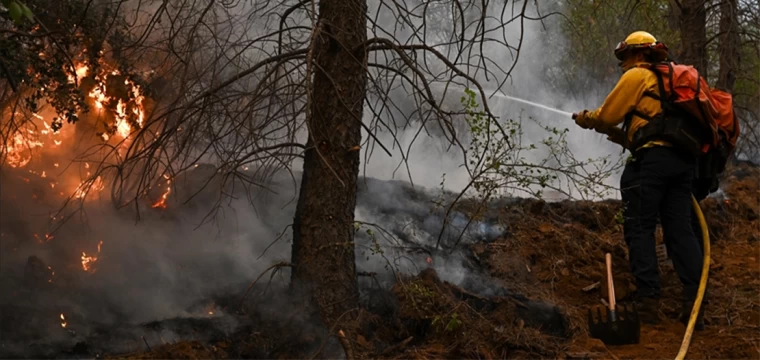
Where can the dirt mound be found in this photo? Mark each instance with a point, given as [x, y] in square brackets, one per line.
[557, 250]
[439, 316]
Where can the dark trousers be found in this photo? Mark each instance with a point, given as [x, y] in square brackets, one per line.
[696, 227]
[659, 182]
[700, 194]
[700, 189]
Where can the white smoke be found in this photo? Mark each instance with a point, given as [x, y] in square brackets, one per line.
[430, 160]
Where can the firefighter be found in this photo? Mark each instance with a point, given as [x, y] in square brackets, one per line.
[657, 179]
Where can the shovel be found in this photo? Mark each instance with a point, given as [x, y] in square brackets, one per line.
[616, 324]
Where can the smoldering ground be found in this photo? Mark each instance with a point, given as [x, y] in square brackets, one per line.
[174, 262]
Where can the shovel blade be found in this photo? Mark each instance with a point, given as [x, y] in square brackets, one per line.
[621, 328]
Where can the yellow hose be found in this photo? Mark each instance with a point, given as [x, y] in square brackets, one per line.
[702, 282]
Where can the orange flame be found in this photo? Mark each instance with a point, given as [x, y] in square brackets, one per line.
[87, 261]
[81, 71]
[122, 126]
[63, 321]
[161, 203]
[37, 236]
[99, 95]
[88, 185]
[18, 149]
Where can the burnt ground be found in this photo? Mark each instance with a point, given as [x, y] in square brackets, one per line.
[558, 249]
[527, 296]
[550, 253]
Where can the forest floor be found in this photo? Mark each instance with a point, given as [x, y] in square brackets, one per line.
[553, 253]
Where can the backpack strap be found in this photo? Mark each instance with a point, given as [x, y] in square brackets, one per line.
[699, 105]
[652, 95]
[654, 124]
[665, 101]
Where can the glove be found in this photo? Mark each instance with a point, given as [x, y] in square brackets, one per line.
[582, 119]
[616, 135]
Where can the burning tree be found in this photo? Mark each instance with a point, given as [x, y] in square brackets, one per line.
[57, 72]
[273, 85]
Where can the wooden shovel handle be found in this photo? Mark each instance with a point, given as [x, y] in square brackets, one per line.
[610, 284]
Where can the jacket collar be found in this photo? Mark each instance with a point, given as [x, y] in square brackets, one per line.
[625, 66]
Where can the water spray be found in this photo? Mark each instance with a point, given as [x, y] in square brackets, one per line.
[558, 111]
[531, 103]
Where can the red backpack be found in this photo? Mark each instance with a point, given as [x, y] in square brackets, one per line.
[695, 118]
[684, 88]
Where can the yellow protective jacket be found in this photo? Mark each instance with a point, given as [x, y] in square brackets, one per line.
[627, 96]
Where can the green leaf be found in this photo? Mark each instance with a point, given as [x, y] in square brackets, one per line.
[15, 11]
[27, 12]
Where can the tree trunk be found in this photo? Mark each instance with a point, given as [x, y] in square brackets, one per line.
[729, 46]
[692, 19]
[323, 233]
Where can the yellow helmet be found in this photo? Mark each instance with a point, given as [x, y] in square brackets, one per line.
[638, 40]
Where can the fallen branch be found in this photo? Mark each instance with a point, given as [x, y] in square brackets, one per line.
[614, 357]
[591, 287]
[347, 347]
[398, 346]
[146, 343]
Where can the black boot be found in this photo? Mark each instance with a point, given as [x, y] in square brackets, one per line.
[689, 296]
[648, 309]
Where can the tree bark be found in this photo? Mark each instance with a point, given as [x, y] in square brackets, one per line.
[323, 233]
[692, 19]
[729, 46]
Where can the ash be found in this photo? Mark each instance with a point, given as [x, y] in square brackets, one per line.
[101, 282]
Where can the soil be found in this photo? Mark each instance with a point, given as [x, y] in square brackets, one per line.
[553, 254]
[558, 249]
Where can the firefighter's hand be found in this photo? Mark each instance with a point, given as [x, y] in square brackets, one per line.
[616, 135]
[582, 119]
